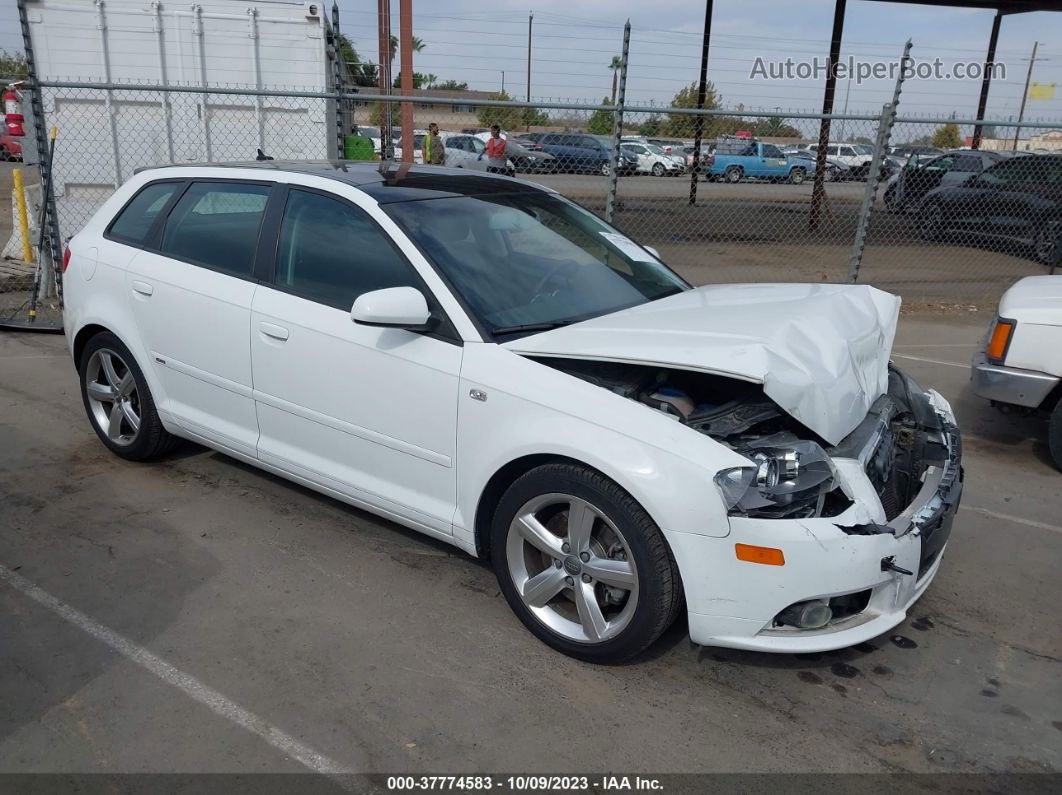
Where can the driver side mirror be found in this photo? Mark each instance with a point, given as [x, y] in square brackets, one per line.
[393, 307]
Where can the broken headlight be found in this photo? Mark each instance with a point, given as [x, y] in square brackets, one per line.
[785, 478]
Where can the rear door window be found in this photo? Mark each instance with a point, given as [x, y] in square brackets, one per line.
[135, 220]
[215, 224]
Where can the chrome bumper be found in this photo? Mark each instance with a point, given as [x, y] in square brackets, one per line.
[1010, 384]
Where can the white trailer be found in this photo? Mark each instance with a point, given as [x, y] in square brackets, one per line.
[105, 135]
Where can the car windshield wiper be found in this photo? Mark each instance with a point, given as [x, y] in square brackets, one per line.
[527, 327]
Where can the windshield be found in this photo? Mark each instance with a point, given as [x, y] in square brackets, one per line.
[369, 132]
[534, 260]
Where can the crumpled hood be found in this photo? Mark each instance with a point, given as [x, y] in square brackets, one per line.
[821, 351]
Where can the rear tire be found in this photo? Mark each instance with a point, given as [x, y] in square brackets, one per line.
[1047, 242]
[931, 222]
[732, 175]
[119, 404]
[605, 169]
[548, 564]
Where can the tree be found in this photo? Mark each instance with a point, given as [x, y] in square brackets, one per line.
[617, 62]
[650, 126]
[363, 73]
[682, 125]
[451, 85]
[417, 45]
[13, 65]
[419, 80]
[600, 122]
[775, 127]
[533, 117]
[506, 118]
[947, 137]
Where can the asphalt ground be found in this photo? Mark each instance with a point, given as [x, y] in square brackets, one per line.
[196, 614]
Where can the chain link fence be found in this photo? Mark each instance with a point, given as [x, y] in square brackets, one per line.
[752, 202]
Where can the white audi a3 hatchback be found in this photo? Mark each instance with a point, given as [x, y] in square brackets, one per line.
[483, 360]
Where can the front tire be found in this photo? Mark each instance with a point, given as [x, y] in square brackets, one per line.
[118, 402]
[1054, 435]
[658, 169]
[796, 176]
[605, 169]
[583, 565]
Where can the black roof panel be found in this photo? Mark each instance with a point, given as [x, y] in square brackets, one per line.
[398, 182]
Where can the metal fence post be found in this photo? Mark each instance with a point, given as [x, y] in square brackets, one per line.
[881, 143]
[617, 127]
[50, 228]
[337, 77]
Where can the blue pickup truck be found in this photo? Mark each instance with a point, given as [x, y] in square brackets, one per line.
[742, 158]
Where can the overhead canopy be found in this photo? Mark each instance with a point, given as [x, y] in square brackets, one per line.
[999, 6]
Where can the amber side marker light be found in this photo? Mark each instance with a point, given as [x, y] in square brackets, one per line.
[999, 340]
[769, 556]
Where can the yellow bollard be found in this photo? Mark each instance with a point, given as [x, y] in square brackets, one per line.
[23, 218]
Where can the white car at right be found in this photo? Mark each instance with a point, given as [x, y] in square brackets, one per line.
[1020, 364]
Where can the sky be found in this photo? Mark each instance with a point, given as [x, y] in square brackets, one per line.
[573, 42]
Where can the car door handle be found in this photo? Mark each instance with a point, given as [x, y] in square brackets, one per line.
[143, 288]
[274, 331]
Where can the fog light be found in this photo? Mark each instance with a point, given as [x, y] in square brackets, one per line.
[806, 615]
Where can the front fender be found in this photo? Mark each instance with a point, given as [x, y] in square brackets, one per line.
[532, 409]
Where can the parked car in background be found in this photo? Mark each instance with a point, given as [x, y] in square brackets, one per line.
[904, 152]
[1020, 364]
[909, 186]
[580, 152]
[846, 154]
[10, 147]
[652, 160]
[669, 145]
[742, 158]
[1018, 200]
[501, 370]
[707, 157]
[834, 171]
[469, 151]
[527, 159]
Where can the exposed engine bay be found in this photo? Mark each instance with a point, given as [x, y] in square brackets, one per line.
[790, 474]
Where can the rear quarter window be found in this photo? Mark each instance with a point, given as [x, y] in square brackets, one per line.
[133, 223]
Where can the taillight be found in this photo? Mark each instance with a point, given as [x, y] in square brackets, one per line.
[999, 340]
[66, 259]
[538, 147]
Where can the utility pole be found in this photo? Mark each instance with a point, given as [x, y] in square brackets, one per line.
[405, 32]
[383, 11]
[530, 19]
[1025, 94]
[503, 81]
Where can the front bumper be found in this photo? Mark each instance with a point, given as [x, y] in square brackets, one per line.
[1010, 385]
[841, 559]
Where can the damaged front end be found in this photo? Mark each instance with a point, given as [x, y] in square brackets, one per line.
[860, 524]
[791, 472]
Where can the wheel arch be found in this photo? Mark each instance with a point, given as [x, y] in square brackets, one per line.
[503, 478]
[81, 339]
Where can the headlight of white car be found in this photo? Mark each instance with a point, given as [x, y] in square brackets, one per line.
[783, 474]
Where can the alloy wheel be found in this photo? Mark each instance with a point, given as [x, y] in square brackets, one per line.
[1047, 242]
[932, 222]
[572, 568]
[113, 398]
